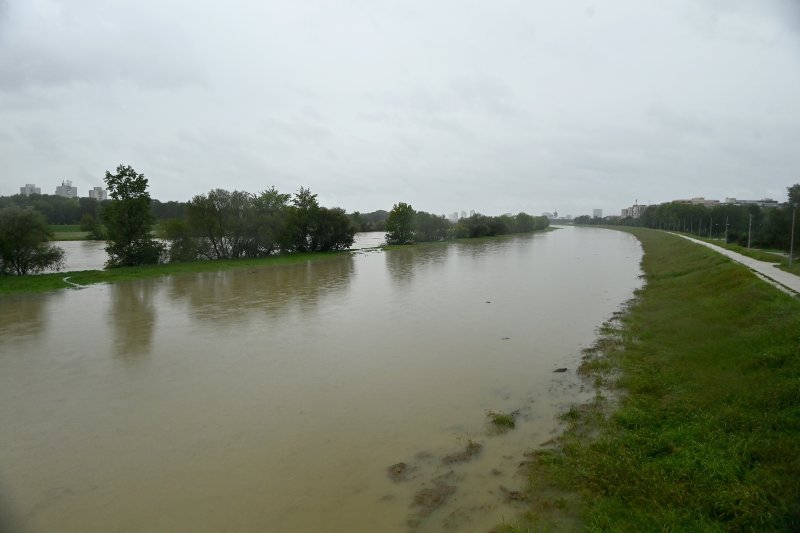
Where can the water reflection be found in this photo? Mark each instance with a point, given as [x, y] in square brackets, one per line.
[133, 317]
[272, 291]
[274, 399]
[404, 262]
[22, 317]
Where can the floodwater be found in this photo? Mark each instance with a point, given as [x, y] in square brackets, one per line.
[91, 255]
[275, 399]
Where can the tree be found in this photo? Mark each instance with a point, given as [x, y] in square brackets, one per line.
[93, 227]
[128, 220]
[430, 227]
[302, 220]
[23, 243]
[221, 221]
[269, 222]
[332, 230]
[400, 224]
[794, 195]
[182, 244]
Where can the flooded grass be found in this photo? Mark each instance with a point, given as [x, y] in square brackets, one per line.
[69, 280]
[502, 422]
[705, 430]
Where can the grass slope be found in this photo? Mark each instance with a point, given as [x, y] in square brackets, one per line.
[705, 432]
[779, 258]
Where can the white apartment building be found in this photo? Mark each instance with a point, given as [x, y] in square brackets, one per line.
[98, 193]
[30, 188]
[67, 190]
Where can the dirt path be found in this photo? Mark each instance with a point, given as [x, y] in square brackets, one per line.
[789, 283]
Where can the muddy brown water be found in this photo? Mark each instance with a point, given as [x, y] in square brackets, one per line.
[278, 399]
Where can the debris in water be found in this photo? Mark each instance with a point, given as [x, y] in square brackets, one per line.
[399, 472]
[560, 370]
[431, 499]
[473, 448]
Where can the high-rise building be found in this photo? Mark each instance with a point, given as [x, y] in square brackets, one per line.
[98, 193]
[67, 190]
[29, 188]
[597, 213]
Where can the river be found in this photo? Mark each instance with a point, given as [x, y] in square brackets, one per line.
[276, 398]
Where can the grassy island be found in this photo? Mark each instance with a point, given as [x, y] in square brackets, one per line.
[696, 422]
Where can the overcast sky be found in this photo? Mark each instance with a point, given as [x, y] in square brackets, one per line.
[496, 106]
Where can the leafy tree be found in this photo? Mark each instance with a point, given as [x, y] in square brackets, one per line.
[23, 243]
[220, 221]
[93, 227]
[128, 220]
[431, 227]
[524, 223]
[269, 222]
[400, 224]
[183, 246]
[794, 195]
[332, 230]
[302, 220]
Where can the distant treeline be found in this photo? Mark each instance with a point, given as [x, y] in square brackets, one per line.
[61, 210]
[226, 224]
[405, 225]
[766, 227]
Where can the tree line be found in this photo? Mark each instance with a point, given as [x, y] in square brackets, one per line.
[404, 225]
[220, 224]
[760, 227]
[237, 224]
[60, 210]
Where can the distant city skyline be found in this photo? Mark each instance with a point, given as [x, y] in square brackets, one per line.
[100, 193]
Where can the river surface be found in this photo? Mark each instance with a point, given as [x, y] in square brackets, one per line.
[276, 398]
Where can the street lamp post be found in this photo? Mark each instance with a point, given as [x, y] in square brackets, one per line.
[726, 230]
[791, 239]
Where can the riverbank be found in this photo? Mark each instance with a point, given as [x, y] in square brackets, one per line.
[696, 422]
[64, 280]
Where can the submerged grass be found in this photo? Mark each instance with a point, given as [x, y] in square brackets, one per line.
[704, 434]
[51, 282]
[502, 422]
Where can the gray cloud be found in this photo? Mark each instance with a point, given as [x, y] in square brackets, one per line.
[509, 106]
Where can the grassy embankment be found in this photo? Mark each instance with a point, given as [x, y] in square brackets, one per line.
[51, 282]
[696, 424]
[770, 256]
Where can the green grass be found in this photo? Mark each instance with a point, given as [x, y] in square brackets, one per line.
[64, 228]
[51, 282]
[704, 434]
[67, 232]
[778, 257]
[502, 421]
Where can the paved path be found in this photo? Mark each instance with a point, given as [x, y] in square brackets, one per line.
[790, 283]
